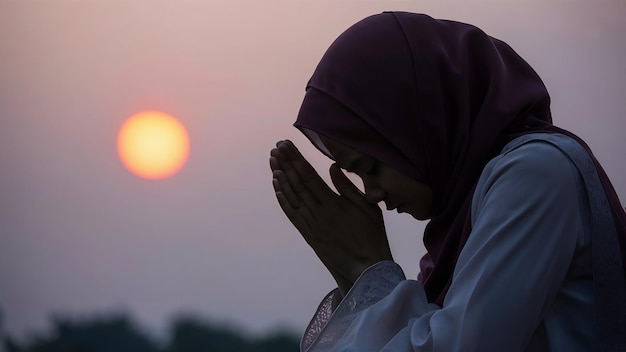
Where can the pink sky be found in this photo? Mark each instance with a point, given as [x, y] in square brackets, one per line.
[80, 234]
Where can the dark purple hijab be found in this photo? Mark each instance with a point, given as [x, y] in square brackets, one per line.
[435, 99]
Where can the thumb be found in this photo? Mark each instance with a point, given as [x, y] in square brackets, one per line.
[347, 189]
[344, 186]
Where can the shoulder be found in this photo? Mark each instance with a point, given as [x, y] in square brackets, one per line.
[535, 160]
[529, 174]
[532, 166]
[551, 156]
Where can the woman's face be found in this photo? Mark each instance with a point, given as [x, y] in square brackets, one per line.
[382, 182]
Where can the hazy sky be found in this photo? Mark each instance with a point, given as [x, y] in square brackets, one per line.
[80, 234]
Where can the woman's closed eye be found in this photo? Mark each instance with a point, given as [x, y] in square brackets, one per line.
[371, 168]
[363, 165]
[366, 167]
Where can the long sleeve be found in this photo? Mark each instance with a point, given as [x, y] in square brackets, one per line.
[512, 286]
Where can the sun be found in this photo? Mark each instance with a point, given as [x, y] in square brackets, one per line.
[153, 145]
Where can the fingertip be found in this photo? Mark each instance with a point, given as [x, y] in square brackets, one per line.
[289, 151]
[277, 175]
[336, 171]
[290, 144]
[332, 170]
[274, 161]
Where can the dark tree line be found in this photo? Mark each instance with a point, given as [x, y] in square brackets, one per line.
[118, 333]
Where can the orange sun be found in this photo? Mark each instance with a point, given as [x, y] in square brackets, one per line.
[153, 145]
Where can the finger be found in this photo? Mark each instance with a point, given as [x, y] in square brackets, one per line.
[294, 216]
[279, 162]
[349, 190]
[272, 153]
[287, 198]
[292, 176]
[343, 184]
[305, 171]
[281, 185]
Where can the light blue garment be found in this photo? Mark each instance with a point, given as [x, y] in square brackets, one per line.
[523, 281]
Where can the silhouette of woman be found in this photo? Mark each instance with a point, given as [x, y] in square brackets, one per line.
[450, 125]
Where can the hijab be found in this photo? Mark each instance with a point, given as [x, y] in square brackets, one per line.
[435, 99]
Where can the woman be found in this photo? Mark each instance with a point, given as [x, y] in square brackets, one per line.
[445, 123]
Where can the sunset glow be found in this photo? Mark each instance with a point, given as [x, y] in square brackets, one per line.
[153, 145]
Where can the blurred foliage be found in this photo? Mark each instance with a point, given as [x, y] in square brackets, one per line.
[118, 333]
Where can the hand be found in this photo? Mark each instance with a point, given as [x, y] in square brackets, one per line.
[345, 231]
